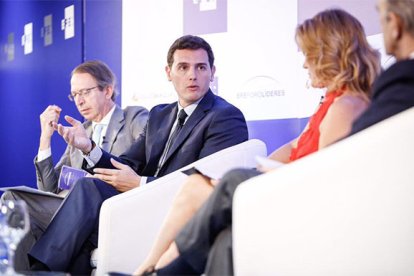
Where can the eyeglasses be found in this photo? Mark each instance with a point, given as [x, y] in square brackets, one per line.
[82, 92]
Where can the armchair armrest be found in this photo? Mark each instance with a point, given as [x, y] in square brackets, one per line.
[129, 222]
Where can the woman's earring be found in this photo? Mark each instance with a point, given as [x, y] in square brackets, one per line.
[308, 83]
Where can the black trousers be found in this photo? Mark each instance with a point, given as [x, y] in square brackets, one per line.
[68, 241]
[210, 225]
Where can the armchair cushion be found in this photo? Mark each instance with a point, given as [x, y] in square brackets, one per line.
[129, 222]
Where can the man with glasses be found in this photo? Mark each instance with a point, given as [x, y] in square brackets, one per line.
[93, 90]
[93, 87]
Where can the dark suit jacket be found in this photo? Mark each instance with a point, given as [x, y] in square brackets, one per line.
[124, 128]
[214, 125]
[393, 92]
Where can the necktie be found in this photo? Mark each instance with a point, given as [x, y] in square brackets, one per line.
[180, 122]
[96, 135]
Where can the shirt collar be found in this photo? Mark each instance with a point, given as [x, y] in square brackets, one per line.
[188, 109]
[411, 56]
[105, 120]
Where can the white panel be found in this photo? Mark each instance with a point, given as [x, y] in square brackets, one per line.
[47, 30]
[27, 38]
[259, 67]
[10, 48]
[208, 5]
[68, 23]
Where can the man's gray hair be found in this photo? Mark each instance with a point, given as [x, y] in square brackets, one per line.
[405, 10]
[100, 72]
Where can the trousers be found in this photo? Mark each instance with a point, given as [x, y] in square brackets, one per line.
[68, 241]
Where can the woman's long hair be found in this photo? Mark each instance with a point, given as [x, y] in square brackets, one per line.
[334, 42]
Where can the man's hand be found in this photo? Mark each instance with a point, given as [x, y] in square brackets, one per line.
[49, 116]
[122, 179]
[75, 135]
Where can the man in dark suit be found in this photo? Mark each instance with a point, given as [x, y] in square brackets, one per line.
[393, 91]
[205, 243]
[93, 87]
[177, 134]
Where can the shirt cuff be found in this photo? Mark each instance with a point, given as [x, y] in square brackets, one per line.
[93, 157]
[44, 154]
[143, 180]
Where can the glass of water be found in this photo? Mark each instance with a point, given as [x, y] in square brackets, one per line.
[14, 224]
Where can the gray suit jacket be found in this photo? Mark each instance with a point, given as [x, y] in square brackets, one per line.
[123, 129]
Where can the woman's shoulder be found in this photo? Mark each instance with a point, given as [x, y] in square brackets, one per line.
[350, 102]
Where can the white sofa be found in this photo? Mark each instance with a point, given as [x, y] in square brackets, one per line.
[347, 210]
[130, 221]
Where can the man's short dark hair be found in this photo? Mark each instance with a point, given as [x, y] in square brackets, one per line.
[193, 43]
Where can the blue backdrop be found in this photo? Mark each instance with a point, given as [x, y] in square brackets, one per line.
[29, 83]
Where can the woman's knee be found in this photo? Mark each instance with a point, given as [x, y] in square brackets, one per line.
[197, 188]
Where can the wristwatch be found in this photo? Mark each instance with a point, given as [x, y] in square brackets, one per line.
[92, 147]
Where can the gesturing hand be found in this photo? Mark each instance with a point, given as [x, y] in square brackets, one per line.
[49, 115]
[75, 135]
[123, 178]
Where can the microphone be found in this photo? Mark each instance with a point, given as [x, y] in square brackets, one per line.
[321, 100]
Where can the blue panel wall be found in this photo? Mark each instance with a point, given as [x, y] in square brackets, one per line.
[276, 133]
[29, 83]
[103, 35]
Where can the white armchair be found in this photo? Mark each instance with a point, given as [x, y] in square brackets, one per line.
[129, 222]
[346, 210]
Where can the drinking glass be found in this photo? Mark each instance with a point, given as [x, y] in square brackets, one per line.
[14, 224]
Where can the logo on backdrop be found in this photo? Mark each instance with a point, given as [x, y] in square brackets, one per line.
[9, 47]
[261, 87]
[205, 16]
